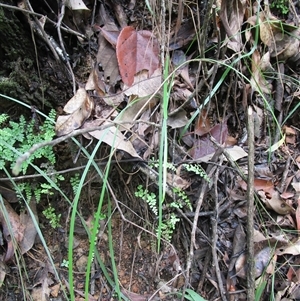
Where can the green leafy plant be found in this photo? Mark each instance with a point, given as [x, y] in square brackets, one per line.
[53, 218]
[182, 199]
[65, 263]
[155, 164]
[281, 5]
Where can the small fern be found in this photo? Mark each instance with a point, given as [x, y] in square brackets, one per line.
[74, 181]
[198, 170]
[155, 164]
[17, 138]
[149, 198]
[182, 199]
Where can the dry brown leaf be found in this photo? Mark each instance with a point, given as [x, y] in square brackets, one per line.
[258, 81]
[95, 82]
[203, 124]
[113, 137]
[178, 120]
[177, 181]
[285, 45]
[107, 57]
[277, 204]
[134, 110]
[41, 293]
[260, 184]
[232, 16]
[293, 248]
[30, 230]
[143, 85]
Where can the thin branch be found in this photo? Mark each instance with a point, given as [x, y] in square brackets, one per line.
[250, 209]
[35, 147]
[25, 11]
[214, 225]
[210, 171]
[60, 18]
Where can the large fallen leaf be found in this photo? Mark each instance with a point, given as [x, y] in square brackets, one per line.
[113, 137]
[79, 108]
[136, 51]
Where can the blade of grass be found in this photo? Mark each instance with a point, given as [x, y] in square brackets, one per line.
[163, 151]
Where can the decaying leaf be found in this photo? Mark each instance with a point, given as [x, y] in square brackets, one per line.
[143, 84]
[281, 38]
[203, 124]
[136, 51]
[134, 109]
[261, 184]
[12, 228]
[204, 147]
[259, 65]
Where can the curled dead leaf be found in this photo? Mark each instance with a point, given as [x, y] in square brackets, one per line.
[79, 108]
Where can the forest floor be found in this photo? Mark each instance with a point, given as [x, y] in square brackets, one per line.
[197, 141]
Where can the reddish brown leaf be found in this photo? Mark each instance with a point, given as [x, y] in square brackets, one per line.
[136, 51]
[203, 124]
[260, 184]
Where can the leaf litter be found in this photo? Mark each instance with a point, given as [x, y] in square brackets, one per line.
[124, 92]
